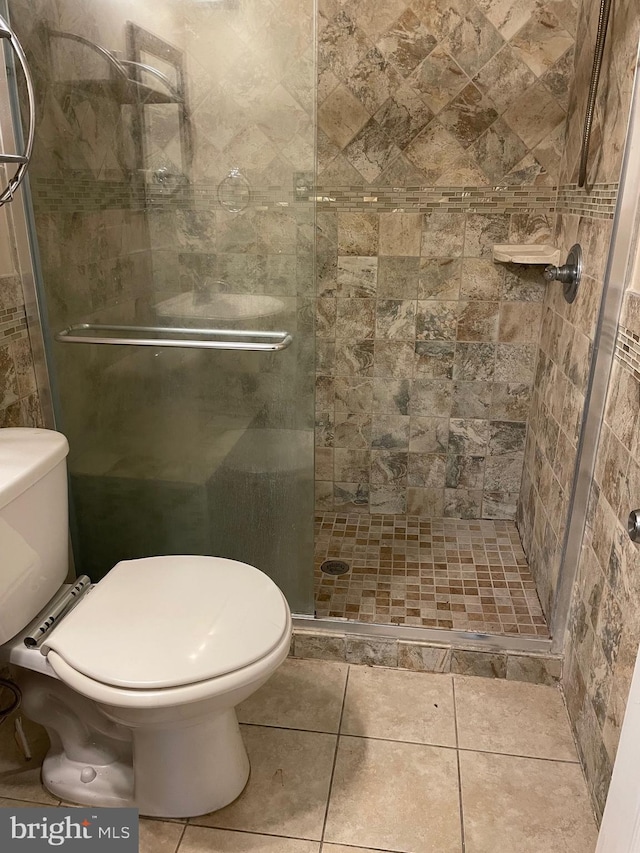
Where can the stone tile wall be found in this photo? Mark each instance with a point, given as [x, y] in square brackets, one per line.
[19, 402]
[568, 330]
[425, 348]
[603, 634]
[604, 631]
[562, 370]
[444, 92]
[425, 362]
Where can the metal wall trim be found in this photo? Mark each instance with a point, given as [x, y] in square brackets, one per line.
[440, 636]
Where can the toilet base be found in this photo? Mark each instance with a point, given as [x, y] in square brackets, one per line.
[75, 782]
[103, 756]
[208, 767]
[209, 770]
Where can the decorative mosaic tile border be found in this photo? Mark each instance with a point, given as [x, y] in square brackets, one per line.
[598, 203]
[13, 324]
[515, 199]
[426, 657]
[628, 351]
[85, 194]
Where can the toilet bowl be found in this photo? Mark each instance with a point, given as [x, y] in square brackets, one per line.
[137, 684]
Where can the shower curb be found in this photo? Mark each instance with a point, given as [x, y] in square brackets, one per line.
[458, 658]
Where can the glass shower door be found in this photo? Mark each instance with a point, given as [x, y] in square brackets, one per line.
[170, 190]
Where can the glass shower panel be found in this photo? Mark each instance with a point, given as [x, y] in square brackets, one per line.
[175, 142]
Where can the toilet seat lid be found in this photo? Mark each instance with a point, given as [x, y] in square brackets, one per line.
[169, 621]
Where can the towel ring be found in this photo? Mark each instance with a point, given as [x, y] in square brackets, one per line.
[21, 160]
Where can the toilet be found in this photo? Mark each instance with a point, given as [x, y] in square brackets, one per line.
[137, 683]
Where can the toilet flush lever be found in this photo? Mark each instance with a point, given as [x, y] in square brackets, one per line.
[569, 274]
[59, 607]
[633, 525]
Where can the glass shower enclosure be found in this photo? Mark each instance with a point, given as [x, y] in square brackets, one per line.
[173, 211]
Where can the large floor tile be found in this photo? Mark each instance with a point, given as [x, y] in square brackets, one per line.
[302, 694]
[289, 784]
[197, 839]
[159, 836]
[512, 717]
[395, 796]
[20, 779]
[525, 805]
[398, 705]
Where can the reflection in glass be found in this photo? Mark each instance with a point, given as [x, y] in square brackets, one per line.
[145, 108]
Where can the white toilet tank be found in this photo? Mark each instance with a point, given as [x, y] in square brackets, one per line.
[33, 524]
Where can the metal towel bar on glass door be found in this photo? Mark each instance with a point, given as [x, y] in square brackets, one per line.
[153, 336]
[19, 160]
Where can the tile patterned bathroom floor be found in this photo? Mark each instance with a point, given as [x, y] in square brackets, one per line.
[354, 759]
[436, 573]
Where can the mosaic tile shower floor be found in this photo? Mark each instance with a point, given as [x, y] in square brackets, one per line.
[436, 573]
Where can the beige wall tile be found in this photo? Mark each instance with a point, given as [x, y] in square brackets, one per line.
[357, 234]
[534, 670]
[372, 652]
[485, 664]
[400, 234]
[424, 658]
[320, 647]
[519, 322]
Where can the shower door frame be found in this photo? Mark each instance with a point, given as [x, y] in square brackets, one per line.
[20, 215]
[624, 237]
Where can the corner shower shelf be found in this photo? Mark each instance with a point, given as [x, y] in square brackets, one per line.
[515, 253]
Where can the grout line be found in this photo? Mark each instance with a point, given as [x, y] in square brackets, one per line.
[335, 758]
[48, 805]
[582, 764]
[421, 743]
[179, 821]
[455, 725]
[357, 847]
[180, 840]
[252, 832]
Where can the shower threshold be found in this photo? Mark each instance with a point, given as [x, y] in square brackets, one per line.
[458, 580]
